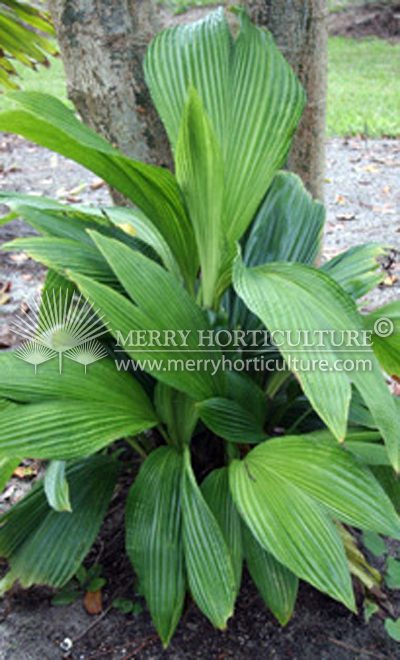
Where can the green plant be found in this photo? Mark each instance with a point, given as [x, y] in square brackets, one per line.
[24, 38]
[239, 464]
[391, 579]
[83, 581]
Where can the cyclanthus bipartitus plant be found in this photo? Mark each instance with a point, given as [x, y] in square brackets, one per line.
[239, 463]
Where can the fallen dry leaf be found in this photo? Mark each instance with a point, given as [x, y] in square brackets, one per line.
[19, 257]
[25, 472]
[346, 217]
[6, 287]
[390, 280]
[340, 199]
[395, 386]
[93, 602]
[4, 298]
[386, 190]
[371, 168]
[98, 183]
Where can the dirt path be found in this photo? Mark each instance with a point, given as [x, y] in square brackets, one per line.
[363, 200]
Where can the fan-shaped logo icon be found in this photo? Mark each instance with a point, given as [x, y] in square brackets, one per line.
[60, 324]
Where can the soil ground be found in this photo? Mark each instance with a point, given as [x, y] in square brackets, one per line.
[363, 205]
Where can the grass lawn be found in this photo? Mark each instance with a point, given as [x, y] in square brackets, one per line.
[363, 86]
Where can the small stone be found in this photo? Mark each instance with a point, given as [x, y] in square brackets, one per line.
[66, 645]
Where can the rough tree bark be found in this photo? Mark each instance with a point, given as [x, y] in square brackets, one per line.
[299, 28]
[103, 42]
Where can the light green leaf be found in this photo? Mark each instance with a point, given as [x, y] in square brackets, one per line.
[293, 298]
[60, 254]
[68, 429]
[147, 284]
[7, 467]
[71, 414]
[374, 543]
[44, 546]
[230, 420]
[392, 577]
[215, 490]
[251, 95]
[154, 537]
[103, 383]
[393, 629]
[384, 323]
[177, 411]
[208, 563]
[56, 486]
[369, 453]
[244, 390]
[129, 221]
[200, 174]
[292, 526]
[46, 121]
[333, 477]
[390, 484]
[357, 270]
[277, 585]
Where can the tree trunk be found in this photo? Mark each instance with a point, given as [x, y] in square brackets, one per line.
[102, 44]
[299, 28]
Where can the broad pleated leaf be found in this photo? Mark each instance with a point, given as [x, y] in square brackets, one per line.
[357, 270]
[154, 537]
[215, 490]
[148, 284]
[46, 121]
[331, 476]
[288, 224]
[385, 326]
[294, 298]
[390, 484]
[249, 92]
[101, 384]
[287, 227]
[277, 585]
[56, 486]
[69, 415]
[68, 429]
[44, 546]
[208, 563]
[369, 453]
[73, 224]
[292, 526]
[200, 174]
[178, 412]
[243, 389]
[230, 420]
[57, 218]
[61, 254]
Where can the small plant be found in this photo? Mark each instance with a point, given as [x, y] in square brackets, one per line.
[391, 578]
[240, 464]
[84, 581]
